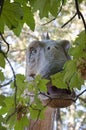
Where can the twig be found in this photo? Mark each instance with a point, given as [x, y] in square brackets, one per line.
[5, 42]
[13, 76]
[80, 94]
[83, 20]
[10, 116]
[19, 50]
[3, 85]
[77, 8]
[1, 6]
[69, 20]
[49, 21]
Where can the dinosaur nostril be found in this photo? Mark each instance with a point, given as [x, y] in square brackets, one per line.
[48, 48]
[32, 75]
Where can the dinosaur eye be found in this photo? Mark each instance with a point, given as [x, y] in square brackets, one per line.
[33, 51]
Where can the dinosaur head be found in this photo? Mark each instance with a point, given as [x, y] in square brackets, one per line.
[46, 58]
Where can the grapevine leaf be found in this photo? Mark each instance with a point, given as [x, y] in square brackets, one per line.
[1, 76]
[36, 113]
[22, 123]
[28, 17]
[45, 7]
[11, 14]
[57, 80]
[41, 83]
[76, 81]
[2, 60]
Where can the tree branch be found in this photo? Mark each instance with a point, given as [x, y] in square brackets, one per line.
[5, 42]
[80, 15]
[69, 20]
[3, 85]
[77, 8]
[80, 94]
[13, 76]
[1, 6]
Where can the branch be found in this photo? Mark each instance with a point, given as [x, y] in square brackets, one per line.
[5, 42]
[10, 116]
[80, 15]
[1, 6]
[77, 8]
[3, 85]
[19, 50]
[13, 76]
[83, 20]
[80, 94]
[69, 20]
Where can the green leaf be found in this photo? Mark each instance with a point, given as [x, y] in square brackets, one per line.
[79, 49]
[1, 76]
[45, 7]
[11, 14]
[76, 81]
[28, 17]
[41, 83]
[36, 113]
[1, 24]
[20, 84]
[57, 80]
[22, 123]
[2, 60]
[54, 7]
[70, 69]
[41, 5]
[9, 106]
[2, 128]
[17, 30]
[22, 2]
[2, 98]
[1, 123]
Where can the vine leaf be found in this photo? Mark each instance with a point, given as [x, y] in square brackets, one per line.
[45, 7]
[2, 61]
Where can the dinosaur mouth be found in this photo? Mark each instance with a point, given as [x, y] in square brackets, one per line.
[56, 97]
[53, 90]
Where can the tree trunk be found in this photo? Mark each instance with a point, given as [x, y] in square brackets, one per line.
[46, 124]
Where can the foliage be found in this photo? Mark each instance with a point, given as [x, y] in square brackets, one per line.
[15, 109]
[72, 76]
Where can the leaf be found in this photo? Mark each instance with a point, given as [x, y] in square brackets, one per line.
[41, 5]
[79, 49]
[17, 30]
[1, 76]
[54, 7]
[2, 98]
[70, 69]
[36, 113]
[2, 61]
[1, 24]
[45, 7]
[57, 80]
[28, 17]
[41, 83]
[20, 84]
[76, 81]
[22, 123]
[2, 128]
[11, 14]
